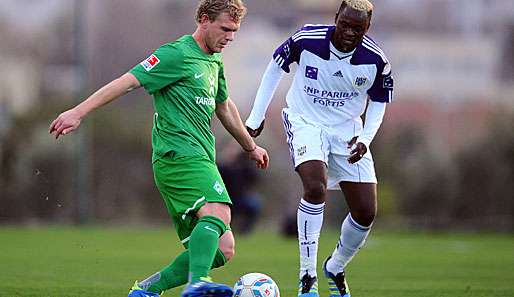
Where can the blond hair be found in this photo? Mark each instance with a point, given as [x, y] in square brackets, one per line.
[213, 8]
[359, 5]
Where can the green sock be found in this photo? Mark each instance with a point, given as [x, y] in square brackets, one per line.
[203, 244]
[176, 273]
[219, 260]
[171, 276]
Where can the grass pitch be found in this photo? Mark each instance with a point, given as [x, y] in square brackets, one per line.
[85, 262]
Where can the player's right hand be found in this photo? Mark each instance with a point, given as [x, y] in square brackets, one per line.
[260, 156]
[65, 123]
[358, 151]
[255, 132]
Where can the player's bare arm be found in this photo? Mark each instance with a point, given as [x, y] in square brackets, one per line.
[69, 120]
[229, 116]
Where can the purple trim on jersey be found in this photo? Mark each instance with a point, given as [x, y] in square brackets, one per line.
[312, 38]
[316, 39]
[368, 52]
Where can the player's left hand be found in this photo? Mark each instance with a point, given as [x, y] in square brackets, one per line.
[358, 152]
[260, 156]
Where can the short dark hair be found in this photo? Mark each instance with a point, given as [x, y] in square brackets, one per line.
[213, 8]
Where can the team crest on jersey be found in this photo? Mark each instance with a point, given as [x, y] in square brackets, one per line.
[360, 81]
[150, 62]
[311, 72]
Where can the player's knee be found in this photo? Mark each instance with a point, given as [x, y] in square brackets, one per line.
[364, 218]
[315, 192]
[227, 245]
[228, 251]
[215, 209]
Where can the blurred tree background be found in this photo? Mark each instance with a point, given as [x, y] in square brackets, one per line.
[444, 155]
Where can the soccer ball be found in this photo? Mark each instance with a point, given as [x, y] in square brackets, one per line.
[256, 285]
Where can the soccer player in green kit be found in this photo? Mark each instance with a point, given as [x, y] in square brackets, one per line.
[186, 80]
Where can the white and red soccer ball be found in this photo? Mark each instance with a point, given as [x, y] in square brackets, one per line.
[256, 285]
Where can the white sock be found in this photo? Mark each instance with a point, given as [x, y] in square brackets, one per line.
[353, 237]
[310, 220]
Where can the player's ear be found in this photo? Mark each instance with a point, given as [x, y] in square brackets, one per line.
[204, 19]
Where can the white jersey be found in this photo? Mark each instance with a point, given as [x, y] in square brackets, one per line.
[333, 91]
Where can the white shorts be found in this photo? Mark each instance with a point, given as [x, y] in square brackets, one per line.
[309, 141]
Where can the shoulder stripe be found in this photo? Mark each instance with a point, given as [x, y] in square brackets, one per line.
[316, 25]
[384, 59]
[316, 32]
[371, 41]
[378, 52]
[373, 45]
[309, 33]
[311, 37]
[279, 60]
[313, 30]
[317, 35]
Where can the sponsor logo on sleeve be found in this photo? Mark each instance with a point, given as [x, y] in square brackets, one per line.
[150, 62]
[388, 82]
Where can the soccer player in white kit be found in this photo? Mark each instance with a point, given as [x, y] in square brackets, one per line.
[340, 72]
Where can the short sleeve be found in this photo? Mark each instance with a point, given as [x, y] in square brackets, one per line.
[287, 53]
[222, 94]
[382, 88]
[162, 68]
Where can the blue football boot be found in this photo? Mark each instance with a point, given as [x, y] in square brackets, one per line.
[137, 291]
[206, 288]
[336, 283]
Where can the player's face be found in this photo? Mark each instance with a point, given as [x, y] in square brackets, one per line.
[220, 32]
[351, 25]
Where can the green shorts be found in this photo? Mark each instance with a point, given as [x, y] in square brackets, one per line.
[186, 184]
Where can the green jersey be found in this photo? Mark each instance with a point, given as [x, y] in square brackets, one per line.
[186, 83]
